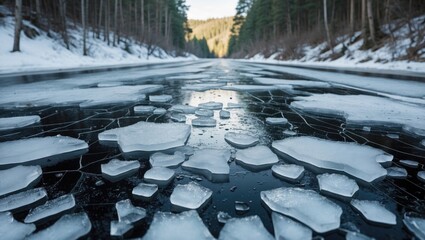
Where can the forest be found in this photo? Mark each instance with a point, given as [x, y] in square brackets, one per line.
[269, 26]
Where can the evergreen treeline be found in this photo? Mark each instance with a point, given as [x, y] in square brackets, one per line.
[215, 31]
[160, 23]
[269, 26]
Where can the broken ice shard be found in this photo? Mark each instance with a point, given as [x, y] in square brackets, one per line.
[159, 111]
[415, 224]
[337, 185]
[159, 175]
[276, 121]
[287, 229]
[128, 213]
[147, 137]
[71, 226]
[409, 163]
[10, 123]
[51, 209]
[396, 172]
[241, 207]
[223, 217]
[11, 229]
[245, 229]
[116, 170]
[306, 206]
[204, 113]
[145, 191]
[160, 98]
[421, 176]
[224, 114]
[118, 228]
[177, 117]
[256, 158]
[28, 176]
[23, 201]
[186, 225]
[212, 163]
[165, 160]
[359, 161]
[144, 109]
[211, 105]
[289, 172]
[374, 212]
[190, 196]
[240, 140]
[186, 109]
[44, 151]
[204, 122]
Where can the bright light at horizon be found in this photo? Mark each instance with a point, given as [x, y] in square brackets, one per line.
[204, 9]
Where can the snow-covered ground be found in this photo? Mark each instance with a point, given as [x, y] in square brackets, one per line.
[50, 53]
[386, 57]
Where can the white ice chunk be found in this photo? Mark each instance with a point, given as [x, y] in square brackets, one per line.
[276, 121]
[186, 225]
[144, 109]
[19, 178]
[359, 110]
[289, 133]
[357, 236]
[287, 229]
[212, 163]
[190, 196]
[409, 163]
[165, 160]
[248, 228]
[70, 226]
[258, 157]
[186, 109]
[145, 190]
[159, 111]
[306, 206]
[23, 201]
[116, 170]
[357, 160]
[148, 136]
[240, 140]
[204, 113]
[51, 209]
[160, 98]
[159, 175]
[224, 114]
[44, 151]
[302, 83]
[374, 212]
[204, 122]
[211, 105]
[119, 228]
[337, 184]
[415, 224]
[11, 229]
[18, 122]
[128, 213]
[223, 217]
[203, 86]
[421, 176]
[178, 117]
[396, 172]
[250, 88]
[289, 172]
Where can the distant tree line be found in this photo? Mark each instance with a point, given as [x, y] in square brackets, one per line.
[160, 23]
[270, 25]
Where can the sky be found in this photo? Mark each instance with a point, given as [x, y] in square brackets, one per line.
[204, 9]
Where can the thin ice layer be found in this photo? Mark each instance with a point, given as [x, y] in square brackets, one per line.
[128, 213]
[148, 136]
[360, 110]
[374, 212]
[190, 196]
[209, 162]
[357, 160]
[415, 224]
[186, 225]
[11, 229]
[301, 83]
[18, 122]
[248, 228]
[159, 175]
[145, 190]
[258, 157]
[116, 169]
[203, 86]
[23, 200]
[289, 172]
[250, 88]
[337, 184]
[144, 109]
[287, 229]
[306, 206]
[18, 178]
[71, 226]
[51, 208]
[166, 160]
[240, 140]
[44, 151]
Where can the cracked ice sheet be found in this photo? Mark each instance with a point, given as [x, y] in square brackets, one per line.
[361, 110]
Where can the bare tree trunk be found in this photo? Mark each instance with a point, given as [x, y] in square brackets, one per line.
[325, 17]
[38, 10]
[100, 18]
[115, 23]
[142, 18]
[83, 21]
[18, 26]
[62, 9]
[370, 19]
[352, 7]
[364, 23]
[288, 18]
